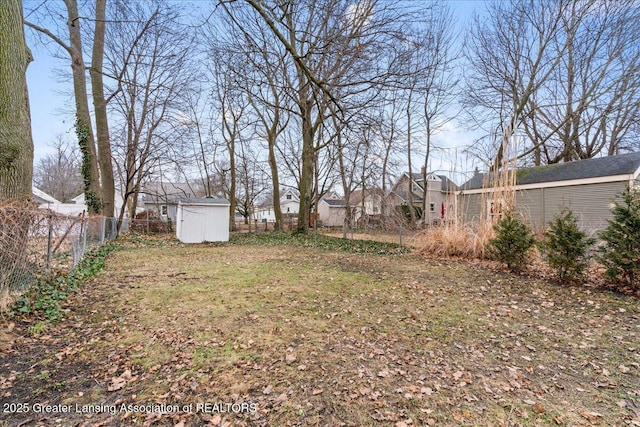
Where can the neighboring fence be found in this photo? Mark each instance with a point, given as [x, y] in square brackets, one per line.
[34, 241]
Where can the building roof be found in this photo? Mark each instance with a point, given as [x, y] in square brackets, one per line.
[167, 192]
[204, 201]
[446, 184]
[335, 203]
[624, 164]
[356, 195]
[41, 197]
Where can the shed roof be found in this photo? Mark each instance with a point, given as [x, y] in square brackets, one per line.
[204, 201]
[624, 164]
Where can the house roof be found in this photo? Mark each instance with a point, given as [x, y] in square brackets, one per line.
[41, 197]
[356, 195]
[624, 164]
[446, 184]
[204, 201]
[167, 192]
[335, 203]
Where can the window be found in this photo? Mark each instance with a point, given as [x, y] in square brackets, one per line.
[432, 207]
[288, 196]
[163, 210]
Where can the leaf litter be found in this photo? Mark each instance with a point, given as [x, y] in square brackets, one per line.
[318, 337]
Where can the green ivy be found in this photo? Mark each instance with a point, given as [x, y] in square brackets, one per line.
[319, 242]
[43, 299]
[91, 198]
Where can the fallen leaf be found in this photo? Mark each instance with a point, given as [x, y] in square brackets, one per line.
[593, 417]
[317, 391]
[426, 390]
[290, 357]
[119, 382]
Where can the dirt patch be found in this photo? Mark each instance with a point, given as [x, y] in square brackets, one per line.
[262, 336]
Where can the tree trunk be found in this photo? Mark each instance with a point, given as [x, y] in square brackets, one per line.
[86, 140]
[16, 144]
[306, 172]
[273, 165]
[100, 109]
[16, 148]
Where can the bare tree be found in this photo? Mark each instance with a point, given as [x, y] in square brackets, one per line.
[261, 79]
[563, 73]
[147, 50]
[58, 173]
[97, 170]
[335, 51]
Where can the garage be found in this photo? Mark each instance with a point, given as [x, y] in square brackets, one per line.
[202, 220]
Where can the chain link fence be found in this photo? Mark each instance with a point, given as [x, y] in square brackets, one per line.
[36, 241]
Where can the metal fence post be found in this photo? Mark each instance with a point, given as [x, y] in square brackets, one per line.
[103, 229]
[49, 242]
[83, 236]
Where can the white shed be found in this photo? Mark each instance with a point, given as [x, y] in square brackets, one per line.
[202, 220]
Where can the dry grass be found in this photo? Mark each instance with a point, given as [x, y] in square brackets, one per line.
[321, 338]
[454, 240]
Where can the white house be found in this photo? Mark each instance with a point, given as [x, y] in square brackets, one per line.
[79, 205]
[289, 204]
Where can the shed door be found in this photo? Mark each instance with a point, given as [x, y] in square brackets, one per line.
[193, 227]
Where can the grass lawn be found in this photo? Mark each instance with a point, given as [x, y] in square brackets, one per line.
[262, 335]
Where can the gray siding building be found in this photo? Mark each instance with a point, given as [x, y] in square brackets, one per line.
[588, 187]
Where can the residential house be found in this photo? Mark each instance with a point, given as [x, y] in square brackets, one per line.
[43, 199]
[163, 198]
[440, 196]
[588, 187]
[46, 201]
[367, 206]
[78, 205]
[289, 204]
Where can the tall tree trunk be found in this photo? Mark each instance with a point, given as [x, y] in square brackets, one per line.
[16, 144]
[100, 110]
[306, 172]
[273, 165]
[86, 140]
[16, 147]
[412, 211]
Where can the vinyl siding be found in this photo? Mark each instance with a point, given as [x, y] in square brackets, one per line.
[470, 206]
[590, 202]
[530, 203]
